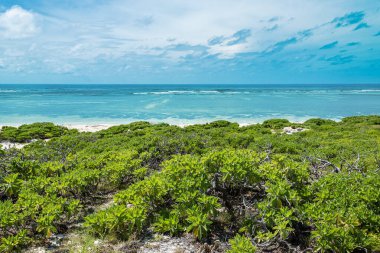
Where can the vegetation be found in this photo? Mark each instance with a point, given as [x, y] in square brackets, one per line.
[241, 244]
[253, 187]
[26, 133]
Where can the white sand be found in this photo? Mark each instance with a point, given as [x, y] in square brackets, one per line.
[89, 128]
[8, 145]
[99, 127]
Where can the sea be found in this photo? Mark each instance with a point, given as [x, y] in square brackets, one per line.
[183, 104]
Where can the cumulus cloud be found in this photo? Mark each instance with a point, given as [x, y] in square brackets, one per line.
[102, 37]
[16, 23]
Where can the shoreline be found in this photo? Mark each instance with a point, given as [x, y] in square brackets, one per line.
[92, 126]
[99, 127]
[89, 128]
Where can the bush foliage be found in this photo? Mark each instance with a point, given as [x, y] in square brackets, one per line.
[252, 187]
[27, 133]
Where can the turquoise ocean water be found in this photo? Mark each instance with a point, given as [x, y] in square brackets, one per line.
[182, 104]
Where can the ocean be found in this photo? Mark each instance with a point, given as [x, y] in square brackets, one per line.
[183, 104]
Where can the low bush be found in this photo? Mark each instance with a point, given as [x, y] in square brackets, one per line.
[314, 190]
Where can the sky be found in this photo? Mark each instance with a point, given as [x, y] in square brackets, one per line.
[189, 42]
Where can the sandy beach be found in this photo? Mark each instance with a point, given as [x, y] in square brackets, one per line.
[99, 127]
[89, 128]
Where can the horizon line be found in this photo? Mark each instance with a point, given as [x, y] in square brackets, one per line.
[190, 83]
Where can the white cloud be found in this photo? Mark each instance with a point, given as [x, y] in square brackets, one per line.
[16, 23]
[110, 29]
[144, 34]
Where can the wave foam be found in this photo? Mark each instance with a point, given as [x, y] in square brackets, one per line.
[189, 92]
[7, 91]
[255, 91]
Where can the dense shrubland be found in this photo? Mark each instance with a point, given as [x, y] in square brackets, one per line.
[254, 187]
[31, 132]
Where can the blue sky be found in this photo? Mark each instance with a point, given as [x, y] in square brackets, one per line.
[178, 41]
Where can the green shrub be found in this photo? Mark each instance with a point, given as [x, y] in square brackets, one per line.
[367, 120]
[346, 212]
[320, 122]
[14, 243]
[168, 222]
[276, 123]
[11, 185]
[118, 220]
[241, 244]
[26, 133]
[317, 189]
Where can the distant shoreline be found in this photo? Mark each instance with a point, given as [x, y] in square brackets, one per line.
[98, 127]
[94, 126]
[289, 126]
